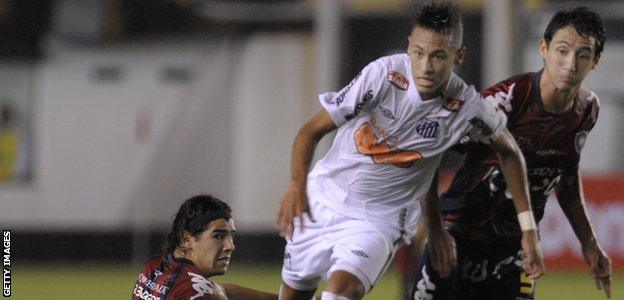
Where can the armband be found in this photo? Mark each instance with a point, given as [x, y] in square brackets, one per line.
[527, 220]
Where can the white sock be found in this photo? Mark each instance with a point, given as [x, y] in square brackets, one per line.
[332, 296]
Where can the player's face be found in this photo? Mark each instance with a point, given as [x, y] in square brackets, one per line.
[568, 58]
[212, 249]
[432, 56]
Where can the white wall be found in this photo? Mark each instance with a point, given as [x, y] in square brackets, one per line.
[126, 152]
[267, 112]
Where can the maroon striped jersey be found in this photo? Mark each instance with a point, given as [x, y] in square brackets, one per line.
[169, 277]
[551, 142]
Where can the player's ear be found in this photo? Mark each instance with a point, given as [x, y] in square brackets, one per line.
[185, 239]
[596, 59]
[459, 58]
[543, 47]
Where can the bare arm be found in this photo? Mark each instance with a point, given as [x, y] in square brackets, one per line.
[514, 170]
[441, 243]
[294, 203]
[431, 205]
[237, 292]
[570, 197]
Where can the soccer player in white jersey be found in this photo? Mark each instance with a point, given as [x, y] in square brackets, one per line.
[344, 219]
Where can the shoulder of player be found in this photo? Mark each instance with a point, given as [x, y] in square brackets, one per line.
[152, 264]
[589, 104]
[390, 70]
[193, 285]
[392, 63]
[588, 97]
[458, 89]
[512, 86]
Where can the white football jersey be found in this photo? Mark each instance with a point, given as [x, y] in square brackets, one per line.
[390, 142]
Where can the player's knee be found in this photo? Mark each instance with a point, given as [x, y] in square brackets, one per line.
[288, 293]
[346, 285]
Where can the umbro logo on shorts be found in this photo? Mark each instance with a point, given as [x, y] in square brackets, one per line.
[359, 253]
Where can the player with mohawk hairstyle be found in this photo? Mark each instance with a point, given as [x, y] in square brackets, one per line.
[395, 120]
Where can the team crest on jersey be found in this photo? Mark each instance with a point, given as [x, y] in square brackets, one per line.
[453, 104]
[579, 141]
[397, 79]
[427, 128]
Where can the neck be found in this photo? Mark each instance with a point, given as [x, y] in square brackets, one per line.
[556, 100]
[437, 93]
[178, 253]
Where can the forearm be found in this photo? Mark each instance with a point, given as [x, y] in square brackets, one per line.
[305, 144]
[577, 216]
[514, 171]
[236, 292]
[431, 206]
[570, 197]
[301, 157]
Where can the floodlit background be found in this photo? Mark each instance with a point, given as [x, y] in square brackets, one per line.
[113, 112]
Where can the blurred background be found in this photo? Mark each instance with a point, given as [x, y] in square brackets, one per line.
[112, 112]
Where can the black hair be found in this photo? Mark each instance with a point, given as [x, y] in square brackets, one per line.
[442, 17]
[192, 209]
[585, 21]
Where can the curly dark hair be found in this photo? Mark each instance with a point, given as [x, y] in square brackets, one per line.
[442, 17]
[190, 210]
[585, 21]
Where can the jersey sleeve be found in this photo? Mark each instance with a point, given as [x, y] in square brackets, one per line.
[594, 112]
[500, 95]
[589, 121]
[359, 95]
[486, 118]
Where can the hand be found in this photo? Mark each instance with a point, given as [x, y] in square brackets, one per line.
[532, 258]
[599, 266]
[293, 205]
[443, 252]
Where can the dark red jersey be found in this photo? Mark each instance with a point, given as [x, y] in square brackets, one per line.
[167, 277]
[550, 142]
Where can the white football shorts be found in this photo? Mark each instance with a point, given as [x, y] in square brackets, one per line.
[337, 242]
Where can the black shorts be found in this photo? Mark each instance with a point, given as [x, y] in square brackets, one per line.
[484, 271]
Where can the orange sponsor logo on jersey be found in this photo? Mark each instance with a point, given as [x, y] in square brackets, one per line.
[368, 143]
